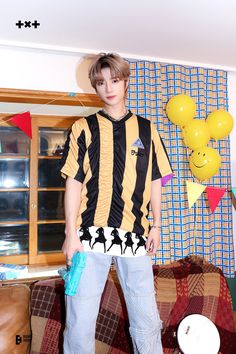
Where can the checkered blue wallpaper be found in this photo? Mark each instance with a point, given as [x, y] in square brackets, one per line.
[198, 230]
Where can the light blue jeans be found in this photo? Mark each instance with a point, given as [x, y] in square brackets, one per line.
[136, 278]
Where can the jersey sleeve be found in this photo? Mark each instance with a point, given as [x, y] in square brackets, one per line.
[72, 161]
[161, 165]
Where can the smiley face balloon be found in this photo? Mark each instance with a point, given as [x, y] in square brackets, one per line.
[204, 163]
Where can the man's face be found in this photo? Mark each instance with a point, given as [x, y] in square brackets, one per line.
[111, 90]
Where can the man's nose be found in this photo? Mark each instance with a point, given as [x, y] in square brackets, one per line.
[108, 87]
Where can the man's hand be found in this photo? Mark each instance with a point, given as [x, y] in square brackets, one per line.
[71, 245]
[153, 241]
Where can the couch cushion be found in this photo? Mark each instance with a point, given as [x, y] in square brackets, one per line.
[191, 286]
[15, 333]
[47, 316]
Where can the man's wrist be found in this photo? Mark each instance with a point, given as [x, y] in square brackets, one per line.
[70, 231]
[156, 227]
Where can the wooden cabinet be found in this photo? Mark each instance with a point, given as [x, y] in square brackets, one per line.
[32, 190]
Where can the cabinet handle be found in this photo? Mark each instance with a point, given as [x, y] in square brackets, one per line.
[33, 205]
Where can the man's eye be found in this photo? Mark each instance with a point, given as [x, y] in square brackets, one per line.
[115, 80]
[99, 83]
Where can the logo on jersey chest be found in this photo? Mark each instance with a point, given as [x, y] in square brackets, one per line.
[137, 143]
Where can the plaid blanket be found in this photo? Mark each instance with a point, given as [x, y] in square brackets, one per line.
[185, 287]
[192, 286]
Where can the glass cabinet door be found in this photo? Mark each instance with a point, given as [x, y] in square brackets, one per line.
[50, 190]
[47, 190]
[14, 193]
[32, 190]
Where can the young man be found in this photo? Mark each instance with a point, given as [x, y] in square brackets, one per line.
[113, 161]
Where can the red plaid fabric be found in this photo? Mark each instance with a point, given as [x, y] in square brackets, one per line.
[185, 287]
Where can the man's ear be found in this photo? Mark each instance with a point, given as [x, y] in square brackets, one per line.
[126, 87]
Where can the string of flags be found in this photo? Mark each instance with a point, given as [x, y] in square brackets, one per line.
[23, 120]
[214, 194]
[194, 190]
[166, 179]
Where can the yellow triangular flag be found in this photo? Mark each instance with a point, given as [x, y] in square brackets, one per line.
[194, 190]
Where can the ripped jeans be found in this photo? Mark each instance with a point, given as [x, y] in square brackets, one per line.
[136, 278]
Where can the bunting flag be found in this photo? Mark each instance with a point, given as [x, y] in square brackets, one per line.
[194, 190]
[166, 178]
[23, 121]
[214, 195]
[234, 191]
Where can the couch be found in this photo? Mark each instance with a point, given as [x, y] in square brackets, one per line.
[187, 286]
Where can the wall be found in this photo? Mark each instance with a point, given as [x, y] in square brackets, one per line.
[36, 70]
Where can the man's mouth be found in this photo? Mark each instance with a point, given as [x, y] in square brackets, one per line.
[111, 97]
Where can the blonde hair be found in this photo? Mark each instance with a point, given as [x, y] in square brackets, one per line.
[118, 66]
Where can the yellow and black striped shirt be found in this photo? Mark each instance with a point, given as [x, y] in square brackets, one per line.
[116, 162]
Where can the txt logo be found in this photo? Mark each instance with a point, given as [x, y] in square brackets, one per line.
[28, 24]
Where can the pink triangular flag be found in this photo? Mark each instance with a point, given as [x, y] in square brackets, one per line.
[23, 121]
[214, 195]
[166, 178]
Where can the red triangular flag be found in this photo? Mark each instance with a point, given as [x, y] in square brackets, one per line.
[23, 121]
[214, 195]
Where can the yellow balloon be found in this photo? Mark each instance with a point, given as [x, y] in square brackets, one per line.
[196, 134]
[220, 124]
[180, 109]
[204, 162]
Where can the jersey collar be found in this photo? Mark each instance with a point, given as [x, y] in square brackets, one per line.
[127, 116]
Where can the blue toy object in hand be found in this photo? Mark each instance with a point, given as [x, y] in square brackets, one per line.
[73, 275]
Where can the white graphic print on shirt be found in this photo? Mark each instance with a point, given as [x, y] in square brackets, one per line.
[112, 241]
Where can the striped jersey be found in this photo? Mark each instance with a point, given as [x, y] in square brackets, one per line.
[115, 161]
